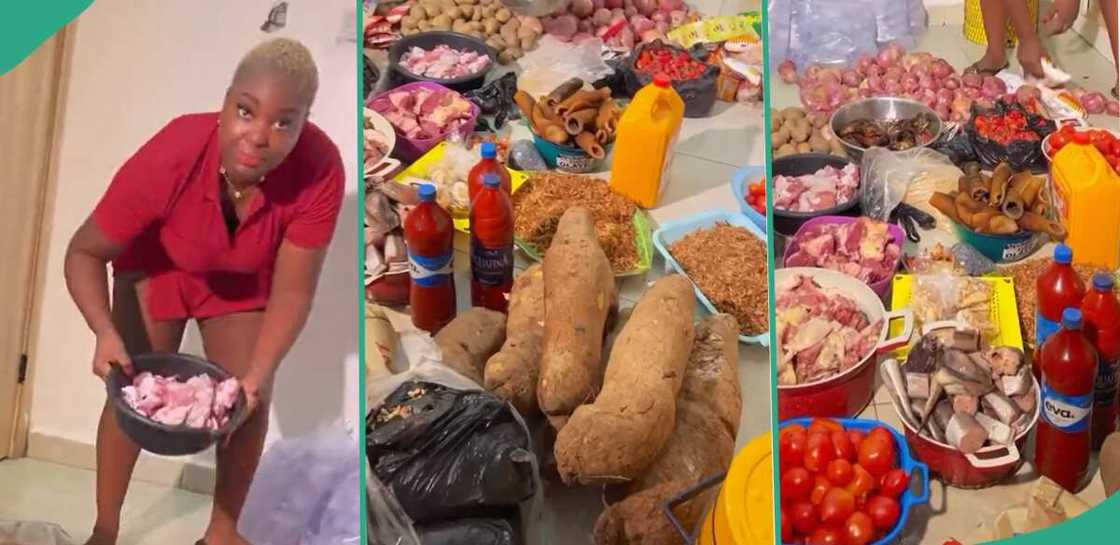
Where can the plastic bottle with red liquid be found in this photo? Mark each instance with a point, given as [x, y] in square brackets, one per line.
[1101, 311]
[1069, 371]
[429, 233]
[1058, 287]
[488, 165]
[491, 246]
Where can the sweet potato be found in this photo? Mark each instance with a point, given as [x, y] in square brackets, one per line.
[702, 444]
[512, 373]
[618, 436]
[579, 295]
[470, 339]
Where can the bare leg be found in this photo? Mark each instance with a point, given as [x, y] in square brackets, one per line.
[995, 28]
[228, 341]
[1030, 51]
[1108, 12]
[116, 453]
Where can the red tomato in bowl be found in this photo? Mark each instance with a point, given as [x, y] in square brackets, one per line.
[884, 512]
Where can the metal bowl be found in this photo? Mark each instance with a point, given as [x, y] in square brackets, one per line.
[879, 109]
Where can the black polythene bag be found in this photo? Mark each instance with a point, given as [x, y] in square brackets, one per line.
[495, 99]
[487, 531]
[956, 144]
[699, 94]
[1020, 154]
[448, 453]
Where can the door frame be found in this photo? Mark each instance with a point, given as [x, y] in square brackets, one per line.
[61, 42]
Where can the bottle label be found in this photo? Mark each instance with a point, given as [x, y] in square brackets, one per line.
[491, 266]
[1067, 413]
[429, 271]
[1043, 329]
[1105, 387]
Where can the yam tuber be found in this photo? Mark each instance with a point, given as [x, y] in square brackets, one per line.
[579, 294]
[512, 373]
[617, 437]
[470, 339]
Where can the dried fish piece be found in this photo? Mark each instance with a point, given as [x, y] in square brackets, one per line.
[1005, 409]
[965, 433]
[918, 385]
[997, 431]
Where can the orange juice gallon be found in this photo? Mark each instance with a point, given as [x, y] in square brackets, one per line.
[1087, 198]
[643, 148]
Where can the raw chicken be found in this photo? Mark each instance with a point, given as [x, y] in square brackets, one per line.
[820, 332]
[823, 189]
[200, 402]
[422, 113]
[444, 62]
[863, 249]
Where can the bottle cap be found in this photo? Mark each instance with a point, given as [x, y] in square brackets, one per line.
[426, 192]
[1071, 318]
[1102, 281]
[661, 80]
[1063, 254]
[489, 150]
[491, 180]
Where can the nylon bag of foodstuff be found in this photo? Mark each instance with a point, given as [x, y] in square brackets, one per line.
[886, 177]
[306, 491]
[388, 525]
[1021, 154]
[816, 38]
[33, 533]
[778, 13]
[900, 21]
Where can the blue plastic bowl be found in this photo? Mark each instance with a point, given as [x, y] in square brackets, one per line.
[744, 177]
[567, 158]
[1001, 248]
[672, 231]
[905, 462]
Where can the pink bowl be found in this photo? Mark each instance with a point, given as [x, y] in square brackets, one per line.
[881, 287]
[409, 150]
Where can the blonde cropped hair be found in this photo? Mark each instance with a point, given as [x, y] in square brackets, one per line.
[284, 57]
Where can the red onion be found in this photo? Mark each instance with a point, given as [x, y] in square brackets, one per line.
[889, 55]
[984, 103]
[581, 8]
[891, 87]
[815, 98]
[829, 75]
[669, 6]
[866, 92]
[614, 4]
[850, 78]
[927, 82]
[646, 7]
[864, 64]
[943, 111]
[585, 26]
[602, 17]
[946, 94]
[1112, 108]
[812, 71]
[927, 97]
[641, 23]
[875, 83]
[1094, 102]
[660, 17]
[677, 18]
[920, 70]
[1027, 92]
[787, 71]
[993, 86]
[662, 28]
[894, 71]
[971, 92]
[941, 69]
[973, 81]
[909, 83]
[951, 82]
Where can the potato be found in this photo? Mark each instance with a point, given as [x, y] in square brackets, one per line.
[489, 10]
[775, 117]
[433, 10]
[818, 120]
[509, 32]
[800, 132]
[526, 31]
[442, 22]
[836, 148]
[503, 15]
[509, 55]
[417, 12]
[477, 14]
[818, 143]
[792, 113]
[528, 42]
[424, 25]
[409, 31]
[804, 147]
[780, 138]
[490, 26]
[496, 43]
[785, 149]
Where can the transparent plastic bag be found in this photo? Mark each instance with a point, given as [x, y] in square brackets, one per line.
[33, 533]
[886, 176]
[900, 21]
[306, 492]
[816, 38]
[778, 19]
[553, 62]
[388, 525]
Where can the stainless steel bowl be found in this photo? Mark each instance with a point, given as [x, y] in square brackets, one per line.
[879, 109]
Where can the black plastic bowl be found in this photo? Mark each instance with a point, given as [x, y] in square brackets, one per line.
[800, 164]
[159, 438]
[428, 41]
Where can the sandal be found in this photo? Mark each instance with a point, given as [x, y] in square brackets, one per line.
[1116, 92]
[975, 68]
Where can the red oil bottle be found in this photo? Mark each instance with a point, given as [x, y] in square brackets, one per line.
[488, 165]
[1057, 288]
[1101, 311]
[428, 233]
[1069, 370]
[491, 246]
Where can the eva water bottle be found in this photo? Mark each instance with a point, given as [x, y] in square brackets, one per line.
[428, 234]
[1057, 288]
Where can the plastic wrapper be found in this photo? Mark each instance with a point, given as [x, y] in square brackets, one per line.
[553, 62]
[318, 503]
[523, 155]
[886, 175]
[956, 144]
[779, 19]
[1020, 154]
[33, 533]
[495, 100]
[971, 260]
[488, 531]
[944, 296]
[816, 38]
[388, 525]
[900, 21]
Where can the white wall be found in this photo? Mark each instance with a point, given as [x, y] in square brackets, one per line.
[136, 65]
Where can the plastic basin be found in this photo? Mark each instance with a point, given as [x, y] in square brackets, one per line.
[881, 287]
[743, 178]
[1001, 248]
[409, 150]
[566, 158]
[672, 231]
[787, 223]
[159, 438]
[429, 40]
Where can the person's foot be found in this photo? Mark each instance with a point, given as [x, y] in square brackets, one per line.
[1030, 56]
[102, 537]
[213, 538]
[988, 65]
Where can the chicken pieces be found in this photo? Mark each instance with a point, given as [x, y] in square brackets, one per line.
[826, 188]
[199, 402]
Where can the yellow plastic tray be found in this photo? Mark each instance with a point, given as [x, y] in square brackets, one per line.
[1002, 306]
[420, 168]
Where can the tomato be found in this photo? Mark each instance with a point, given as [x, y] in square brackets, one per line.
[1080, 137]
[787, 526]
[796, 484]
[1058, 140]
[839, 472]
[825, 425]
[876, 455]
[803, 516]
[855, 437]
[791, 446]
[894, 483]
[880, 433]
[862, 483]
[821, 486]
[883, 511]
[758, 189]
[858, 529]
[838, 504]
[842, 446]
[951, 542]
[825, 536]
[818, 456]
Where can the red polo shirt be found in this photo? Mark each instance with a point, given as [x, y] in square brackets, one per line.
[163, 205]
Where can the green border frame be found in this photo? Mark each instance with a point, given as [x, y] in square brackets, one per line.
[360, 210]
[773, 349]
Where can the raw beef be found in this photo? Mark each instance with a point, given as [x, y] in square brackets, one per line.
[826, 188]
[820, 332]
[863, 249]
[444, 62]
[200, 402]
[423, 113]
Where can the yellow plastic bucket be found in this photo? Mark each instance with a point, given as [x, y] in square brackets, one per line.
[744, 510]
[974, 23]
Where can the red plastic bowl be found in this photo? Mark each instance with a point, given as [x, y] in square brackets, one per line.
[881, 287]
[845, 394]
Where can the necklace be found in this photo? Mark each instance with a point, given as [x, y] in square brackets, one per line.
[237, 192]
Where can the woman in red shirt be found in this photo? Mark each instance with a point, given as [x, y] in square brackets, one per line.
[223, 218]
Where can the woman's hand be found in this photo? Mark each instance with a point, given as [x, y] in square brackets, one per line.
[1061, 16]
[250, 386]
[110, 349]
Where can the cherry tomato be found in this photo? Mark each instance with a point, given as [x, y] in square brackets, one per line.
[825, 425]
[876, 455]
[1080, 137]
[855, 437]
[839, 472]
[821, 486]
[862, 483]
[787, 526]
[818, 456]
[884, 512]
[894, 483]
[791, 446]
[858, 529]
[825, 536]
[796, 484]
[1058, 140]
[757, 189]
[842, 446]
[838, 504]
[881, 433]
[803, 516]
